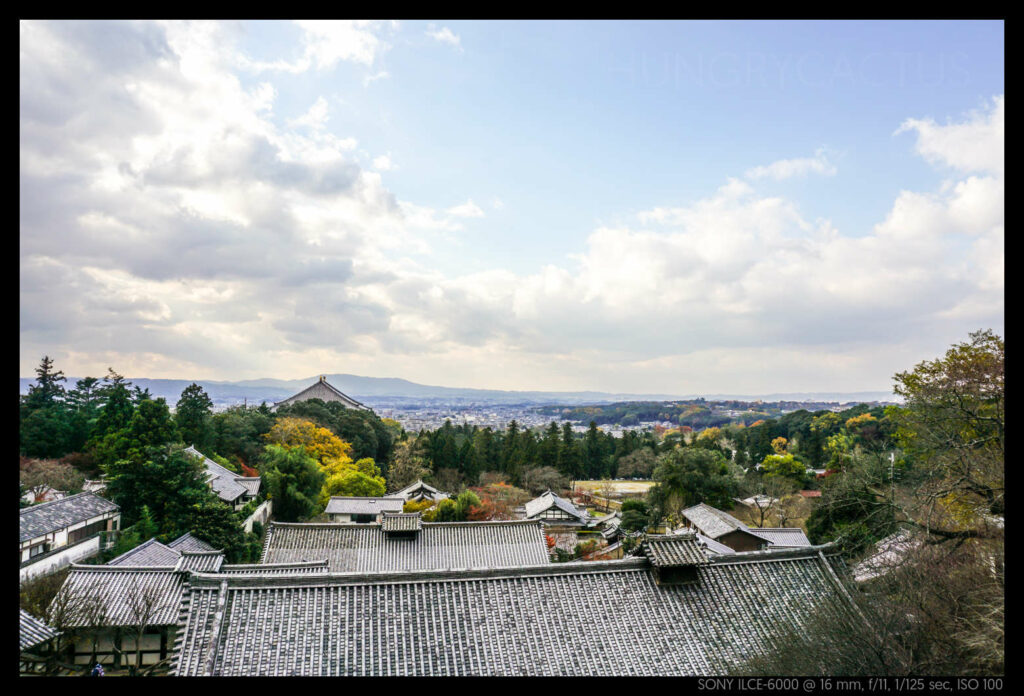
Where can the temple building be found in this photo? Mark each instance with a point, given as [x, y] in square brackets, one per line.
[402, 542]
[673, 612]
[323, 390]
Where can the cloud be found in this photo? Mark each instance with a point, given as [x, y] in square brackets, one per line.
[325, 44]
[315, 118]
[383, 163]
[974, 145]
[171, 226]
[789, 168]
[444, 35]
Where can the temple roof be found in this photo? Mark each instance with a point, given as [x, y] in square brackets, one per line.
[674, 550]
[121, 592]
[367, 548]
[187, 542]
[34, 631]
[356, 505]
[549, 499]
[790, 537]
[228, 485]
[148, 553]
[323, 390]
[563, 619]
[54, 516]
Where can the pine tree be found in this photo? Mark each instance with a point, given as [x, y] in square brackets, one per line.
[193, 416]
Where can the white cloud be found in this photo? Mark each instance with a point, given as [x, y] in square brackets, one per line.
[974, 145]
[788, 168]
[383, 163]
[315, 118]
[326, 43]
[444, 35]
[169, 227]
[370, 79]
[469, 209]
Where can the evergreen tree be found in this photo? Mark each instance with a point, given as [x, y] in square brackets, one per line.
[294, 480]
[117, 406]
[47, 390]
[193, 414]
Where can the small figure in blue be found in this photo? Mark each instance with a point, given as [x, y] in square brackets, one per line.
[97, 671]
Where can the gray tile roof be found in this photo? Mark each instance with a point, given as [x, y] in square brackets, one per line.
[354, 505]
[712, 522]
[715, 547]
[607, 618]
[250, 483]
[674, 550]
[206, 561]
[44, 518]
[549, 499]
[401, 522]
[419, 488]
[312, 567]
[785, 537]
[148, 553]
[325, 391]
[34, 631]
[120, 588]
[187, 542]
[366, 548]
[225, 483]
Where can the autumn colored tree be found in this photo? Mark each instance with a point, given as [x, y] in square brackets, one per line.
[331, 452]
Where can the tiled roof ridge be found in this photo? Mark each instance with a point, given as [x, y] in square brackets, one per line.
[179, 633]
[374, 525]
[633, 563]
[389, 496]
[215, 552]
[294, 564]
[118, 568]
[40, 506]
[768, 555]
[406, 576]
[138, 549]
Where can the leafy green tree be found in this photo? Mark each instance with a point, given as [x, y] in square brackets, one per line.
[193, 414]
[150, 426]
[351, 483]
[217, 524]
[117, 406]
[45, 432]
[446, 511]
[784, 466]
[465, 501]
[569, 460]
[165, 479]
[84, 402]
[239, 431]
[687, 476]
[635, 514]
[294, 480]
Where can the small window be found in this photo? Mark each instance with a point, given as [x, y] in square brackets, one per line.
[38, 550]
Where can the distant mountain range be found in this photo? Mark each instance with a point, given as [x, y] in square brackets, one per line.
[380, 389]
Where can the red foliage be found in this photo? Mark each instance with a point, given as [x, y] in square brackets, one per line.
[550, 541]
[248, 470]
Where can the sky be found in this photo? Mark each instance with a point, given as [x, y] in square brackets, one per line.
[642, 207]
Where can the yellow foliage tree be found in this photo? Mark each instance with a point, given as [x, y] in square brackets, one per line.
[779, 445]
[712, 434]
[333, 453]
